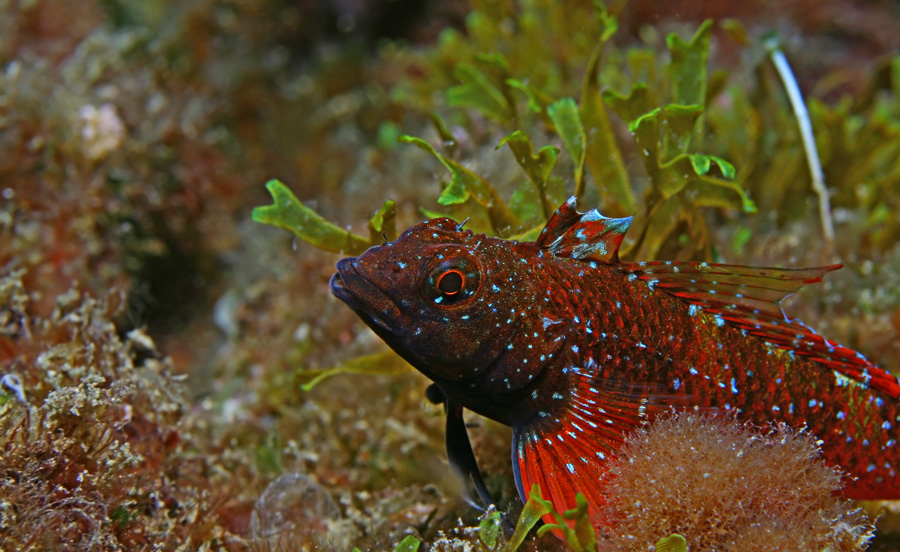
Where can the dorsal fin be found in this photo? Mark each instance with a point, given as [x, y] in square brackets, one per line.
[588, 235]
[749, 298]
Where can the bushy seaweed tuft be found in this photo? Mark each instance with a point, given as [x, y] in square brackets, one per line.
[726, 486]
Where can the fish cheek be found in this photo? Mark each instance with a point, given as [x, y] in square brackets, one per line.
[450, 350]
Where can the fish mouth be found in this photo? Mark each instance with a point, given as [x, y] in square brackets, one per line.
[371, 304]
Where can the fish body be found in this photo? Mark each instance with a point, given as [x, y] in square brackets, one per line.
[575, 349]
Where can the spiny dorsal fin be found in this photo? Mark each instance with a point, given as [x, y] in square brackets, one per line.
[589, 235]
[749, 298]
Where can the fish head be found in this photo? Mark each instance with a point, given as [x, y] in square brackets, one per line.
[442, 298]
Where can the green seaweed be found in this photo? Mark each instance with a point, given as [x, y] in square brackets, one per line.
[535, 508]
[385, 363]
[688, 72]
[489, 529]
[672, 543]
[536, 165]
[602, 153]
[580, 534]
[289, 213]
[666, 135]
[477, 91]
[567, 121]
[383, 224]
[665, 111]
[465, 184]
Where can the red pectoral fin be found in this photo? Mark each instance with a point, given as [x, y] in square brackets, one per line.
[563, 467]
[569, 454]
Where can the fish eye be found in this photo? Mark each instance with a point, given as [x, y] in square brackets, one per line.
[451, 282]
[452, 278]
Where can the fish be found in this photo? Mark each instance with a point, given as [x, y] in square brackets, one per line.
[575, 350]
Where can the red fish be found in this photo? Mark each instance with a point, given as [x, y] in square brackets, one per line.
[575, 349]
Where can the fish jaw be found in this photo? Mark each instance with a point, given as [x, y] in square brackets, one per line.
[371, 304]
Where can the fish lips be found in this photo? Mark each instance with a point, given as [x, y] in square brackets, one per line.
[371, 304]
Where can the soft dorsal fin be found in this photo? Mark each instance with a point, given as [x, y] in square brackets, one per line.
[569, 233]
[749, 298]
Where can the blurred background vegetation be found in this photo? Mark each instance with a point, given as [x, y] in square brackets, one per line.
[153, 338]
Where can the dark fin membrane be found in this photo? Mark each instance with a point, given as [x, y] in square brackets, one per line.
[749, 298]
[462, 459]
[589, 235]
[459, 451]
[569, 454]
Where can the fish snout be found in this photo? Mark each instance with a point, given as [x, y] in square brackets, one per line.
[371, 304]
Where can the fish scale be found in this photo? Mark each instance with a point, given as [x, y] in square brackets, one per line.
[576, 350]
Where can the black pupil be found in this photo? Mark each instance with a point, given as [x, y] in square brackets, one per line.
[450, 283]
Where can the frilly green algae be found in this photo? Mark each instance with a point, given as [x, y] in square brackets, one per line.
[579, 535]
[666, 120]
[536, 165]
[466, 184]
[289, 213]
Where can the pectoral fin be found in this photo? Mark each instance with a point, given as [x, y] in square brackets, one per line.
[569, 454]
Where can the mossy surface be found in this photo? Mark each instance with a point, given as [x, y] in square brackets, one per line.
[154, 339]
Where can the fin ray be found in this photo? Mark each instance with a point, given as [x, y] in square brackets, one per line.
[569, 455]
[749, 298]
[588, 235]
